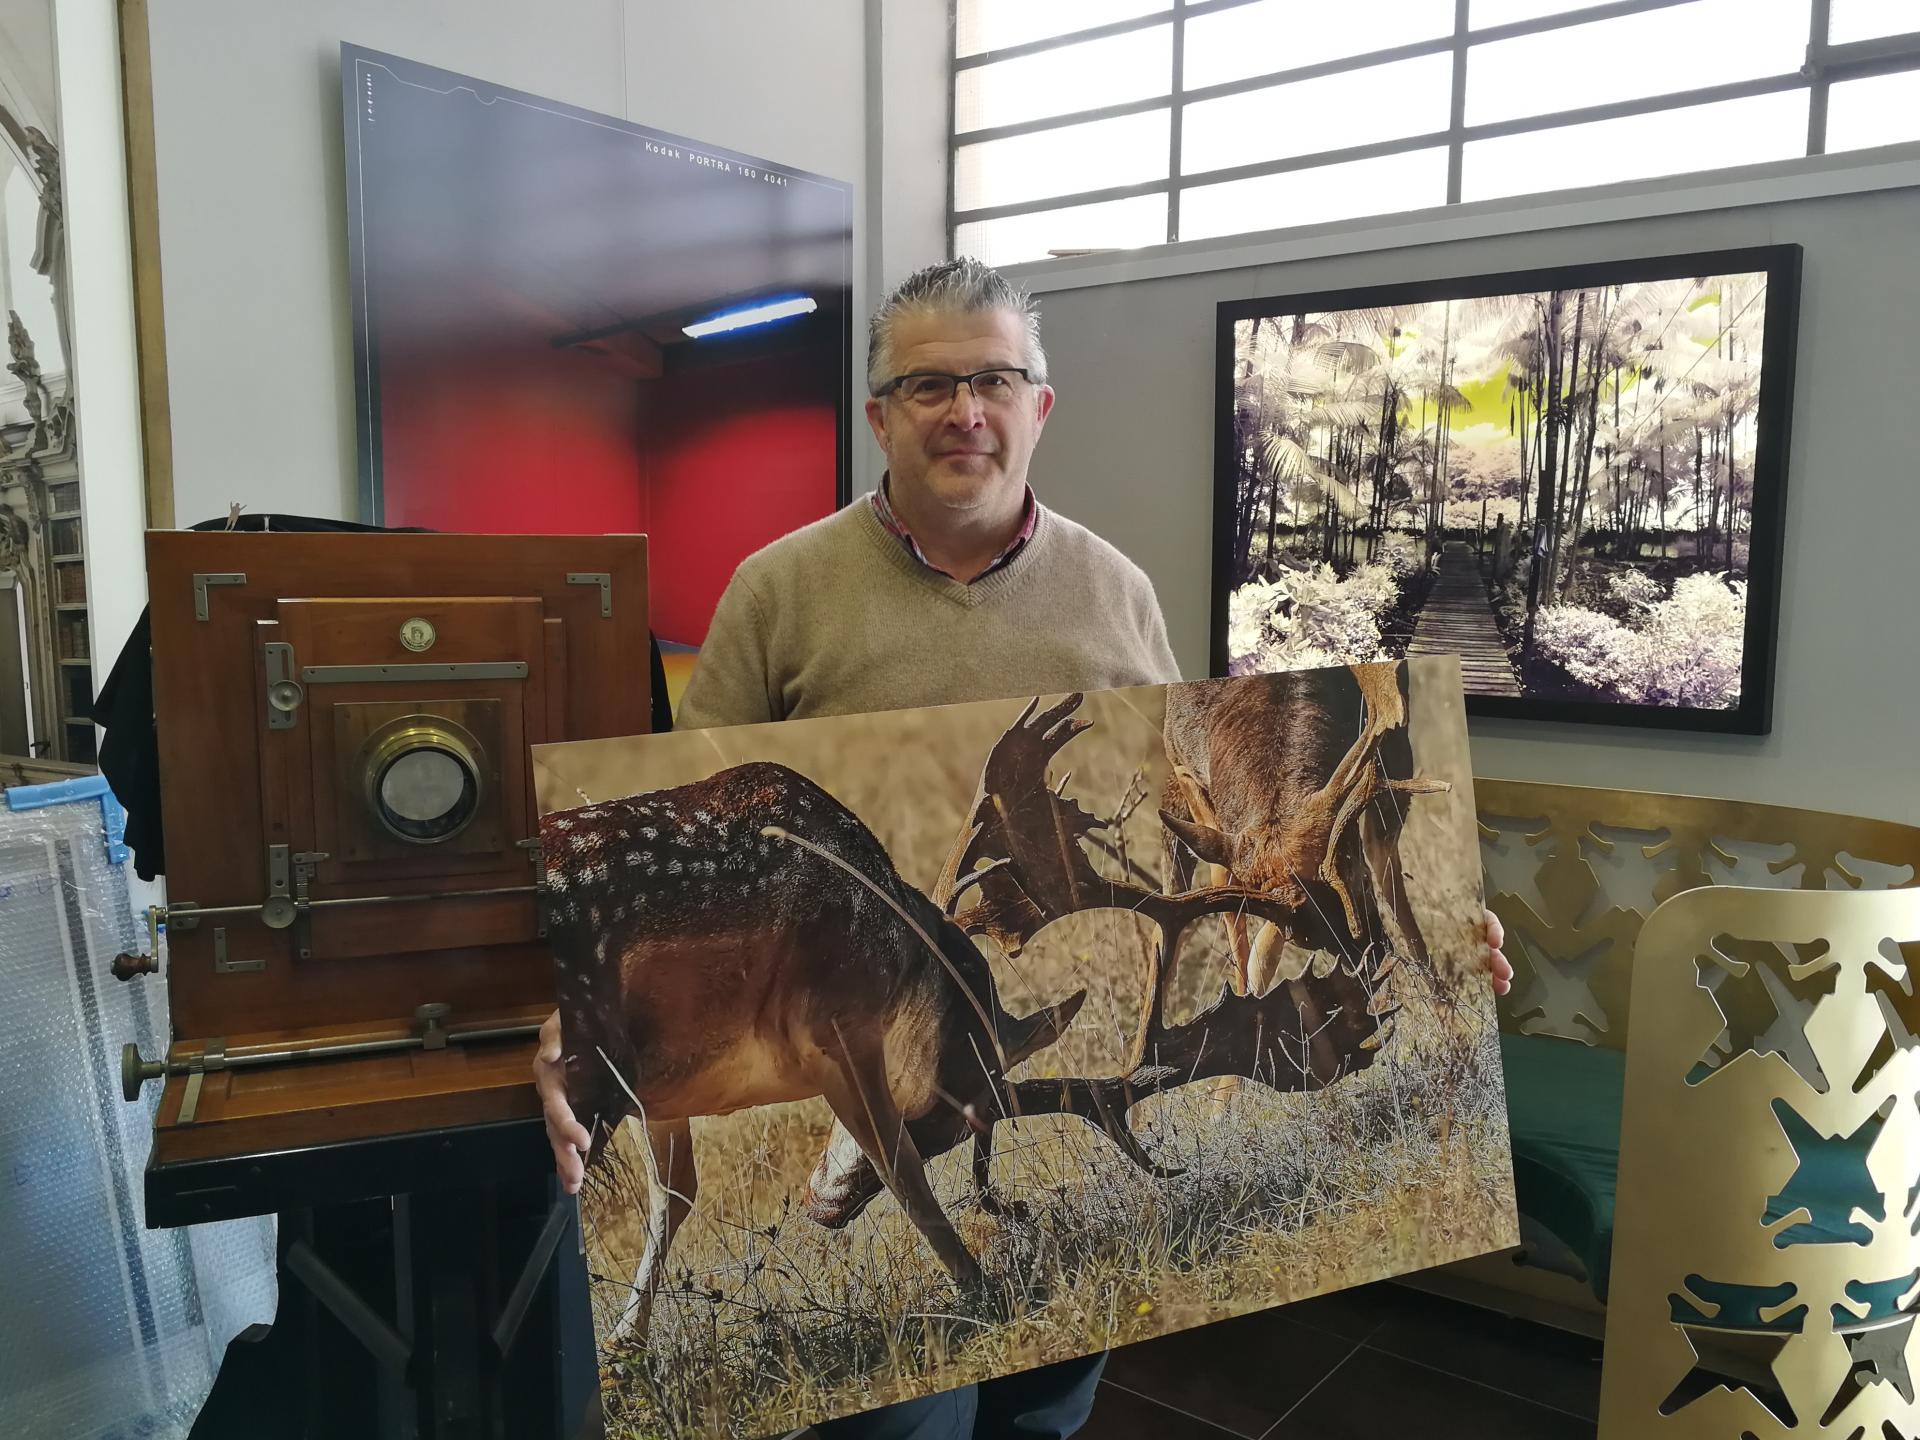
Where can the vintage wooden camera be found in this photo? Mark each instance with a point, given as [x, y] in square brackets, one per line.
[354, 942]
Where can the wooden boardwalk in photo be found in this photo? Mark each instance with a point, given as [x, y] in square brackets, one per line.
[1458, 620]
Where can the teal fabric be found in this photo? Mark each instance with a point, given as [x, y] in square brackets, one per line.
[1881, 1299]
[1831, 1182]
[1736, 1307]
[1563, 1109]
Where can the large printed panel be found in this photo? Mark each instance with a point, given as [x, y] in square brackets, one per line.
[965, 1040]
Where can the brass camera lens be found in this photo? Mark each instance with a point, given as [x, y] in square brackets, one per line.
[421, 779]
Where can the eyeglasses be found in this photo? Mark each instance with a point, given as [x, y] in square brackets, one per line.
[935, 391]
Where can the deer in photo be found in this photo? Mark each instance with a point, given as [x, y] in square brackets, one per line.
[745, 940]
[1021, 863]
[1279, 781]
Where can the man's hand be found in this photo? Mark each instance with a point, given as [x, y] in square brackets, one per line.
[566, 1135]
[1498, 966]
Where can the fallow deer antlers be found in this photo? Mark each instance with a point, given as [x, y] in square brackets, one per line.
[1023, 852]
[1359, 779]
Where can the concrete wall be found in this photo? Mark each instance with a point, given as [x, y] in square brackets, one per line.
[252, 216]
[1129, 449]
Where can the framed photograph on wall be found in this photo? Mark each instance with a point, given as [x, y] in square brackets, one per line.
[565, 322]
[1572, 478]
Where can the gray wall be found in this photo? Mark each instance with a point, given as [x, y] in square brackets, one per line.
[1128, 451]
[253, 220]
[908, 140]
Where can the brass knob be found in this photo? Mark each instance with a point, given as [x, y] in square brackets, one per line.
[286, 695]
[432, 1020]
[135, 1072]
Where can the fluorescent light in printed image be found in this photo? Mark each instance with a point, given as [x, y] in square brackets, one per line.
[763, 313]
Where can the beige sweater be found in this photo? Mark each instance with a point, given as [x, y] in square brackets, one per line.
[840, 618]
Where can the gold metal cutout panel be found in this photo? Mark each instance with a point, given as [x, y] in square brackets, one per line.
[1769, 1191]
[1573, 872]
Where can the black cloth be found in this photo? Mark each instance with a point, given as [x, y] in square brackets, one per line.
[130, 749]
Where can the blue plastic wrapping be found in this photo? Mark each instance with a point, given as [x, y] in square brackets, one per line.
[107, 1329]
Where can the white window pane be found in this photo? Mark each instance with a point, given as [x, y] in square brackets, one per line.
[1111, 225]
[1093, 156]
[1668, 142]
[1358, 107]
[1275, 35]
[1871, 19]
[1380, 186]
[1658, 52]
[995, 24]
[1884, 110]
[1132, 66]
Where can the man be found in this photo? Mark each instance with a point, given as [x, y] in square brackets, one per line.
[950, 583]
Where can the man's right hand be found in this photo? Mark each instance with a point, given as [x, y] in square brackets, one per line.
[566, 1135]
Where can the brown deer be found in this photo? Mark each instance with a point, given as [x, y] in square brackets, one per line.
[1276, 781]
[1023, 854]
[745, 940]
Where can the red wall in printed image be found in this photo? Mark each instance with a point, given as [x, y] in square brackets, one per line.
[710, 463]
[741, 455]
[510, 437]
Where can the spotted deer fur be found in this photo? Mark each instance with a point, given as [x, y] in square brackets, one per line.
[746, 940]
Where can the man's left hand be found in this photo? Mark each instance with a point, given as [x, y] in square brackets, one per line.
[1498, 966]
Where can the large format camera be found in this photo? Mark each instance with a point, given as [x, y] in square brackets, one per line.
[353, 934]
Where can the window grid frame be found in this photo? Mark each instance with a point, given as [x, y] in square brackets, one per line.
[1826, 64]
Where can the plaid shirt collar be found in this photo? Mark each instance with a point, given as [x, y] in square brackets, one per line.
[1029, 517]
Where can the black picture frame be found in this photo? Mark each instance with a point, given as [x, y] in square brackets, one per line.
[1753, 715]
[355, 64]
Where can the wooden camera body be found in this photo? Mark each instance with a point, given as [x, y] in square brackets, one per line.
[354, 937]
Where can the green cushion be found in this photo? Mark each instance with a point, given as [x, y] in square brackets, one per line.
[1563, 1110]
[1830, 1181]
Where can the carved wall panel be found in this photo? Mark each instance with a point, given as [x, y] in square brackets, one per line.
[1765, 1259]
[1573, 873]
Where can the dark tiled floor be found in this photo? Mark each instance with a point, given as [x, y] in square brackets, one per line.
[1382, 1361]
[1548, 1367]
[1376, 1363]
[1241, 1375]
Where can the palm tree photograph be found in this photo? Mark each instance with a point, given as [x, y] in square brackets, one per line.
[1571, 480]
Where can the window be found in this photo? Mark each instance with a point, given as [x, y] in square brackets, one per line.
[1110, 124]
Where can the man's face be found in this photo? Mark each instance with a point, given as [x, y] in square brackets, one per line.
[971, 452]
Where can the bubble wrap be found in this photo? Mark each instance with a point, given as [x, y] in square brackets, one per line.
[107, 1329]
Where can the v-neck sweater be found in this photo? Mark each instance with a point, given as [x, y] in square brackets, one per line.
[840, 618]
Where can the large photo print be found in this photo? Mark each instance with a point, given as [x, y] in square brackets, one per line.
[566, 322]
[933, 1045]
[1570, 479]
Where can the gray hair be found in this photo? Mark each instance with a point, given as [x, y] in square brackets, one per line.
[955, 287]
